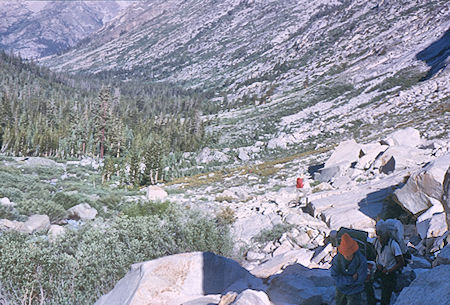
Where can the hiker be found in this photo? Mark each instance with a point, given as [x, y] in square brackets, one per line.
[303, 189]
[349, 270]
[389, 263]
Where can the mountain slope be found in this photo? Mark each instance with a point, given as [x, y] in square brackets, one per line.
[45, 28]
[235, 43]
[294, 72]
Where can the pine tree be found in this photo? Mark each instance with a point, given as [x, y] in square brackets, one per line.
[153, 157]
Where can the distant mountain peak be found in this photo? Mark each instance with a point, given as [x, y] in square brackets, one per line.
[40, 28]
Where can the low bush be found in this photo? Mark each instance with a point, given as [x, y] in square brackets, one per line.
[88, 262]
[145, 208]
[53, 210]
[273, 234]
[226, 216]
[67, 200]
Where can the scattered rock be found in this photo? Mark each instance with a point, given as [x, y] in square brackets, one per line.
[423, 221]
[426, 183]
[322, 254]
[273, 266]
[443, 257]
[404, 137]
[399, 157]
[38, 161]
[300, 285]
[243, 154]
[427, 286]
[207, 155]
[35, 223]
[6, 224]
[82, 211]
[252, 297]
[6, 202]
[228, 298]
[255, 256]
[347, 151]
[55, 231]
[156, 193]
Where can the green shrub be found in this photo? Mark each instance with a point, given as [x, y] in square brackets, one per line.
[145, 208]
[226, 216]
[67, 200]
[112, 200]
[87, 263]
[44, 172]
[8, 213]
[50, 208]
[272, 234]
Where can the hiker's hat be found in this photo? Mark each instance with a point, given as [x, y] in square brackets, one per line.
[348, 245]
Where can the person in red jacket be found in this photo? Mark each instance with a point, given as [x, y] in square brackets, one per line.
[303, 189]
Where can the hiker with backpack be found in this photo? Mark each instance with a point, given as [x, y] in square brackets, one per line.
[349, 270]
[389, 262]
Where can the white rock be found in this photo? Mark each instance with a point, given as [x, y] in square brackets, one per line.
[443, 257]
[55, 231]
[419, 262]
[35, 223]
[285, 246]
[438, 226]
[300, 285]
[156, 193]
[286, 195]
[404, 137]
[273, 266]
[426, 287]
[343, 182]
[321, 255]
[6, 224]
[423, 221]
[82, 211]
[347, 151]
[252, 297]
[255, 256]
[38, 161]
[6, 202]
[371, 152]
[399, 157]
[207, 155]
[331, 172]
[244, 228]
[177, 279]
[277, 143]
[243, 154]
[426, 183]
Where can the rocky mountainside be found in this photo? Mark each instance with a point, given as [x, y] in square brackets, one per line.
[304, 72]
[35, 29]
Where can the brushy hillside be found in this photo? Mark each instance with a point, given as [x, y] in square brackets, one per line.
[91, 256]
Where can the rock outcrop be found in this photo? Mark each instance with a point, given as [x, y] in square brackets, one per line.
[156, 193]
[82, 211]
[430, 287]
[180, 278]
[423, 186]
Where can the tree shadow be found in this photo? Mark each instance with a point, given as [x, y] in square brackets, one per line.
[435, 55]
